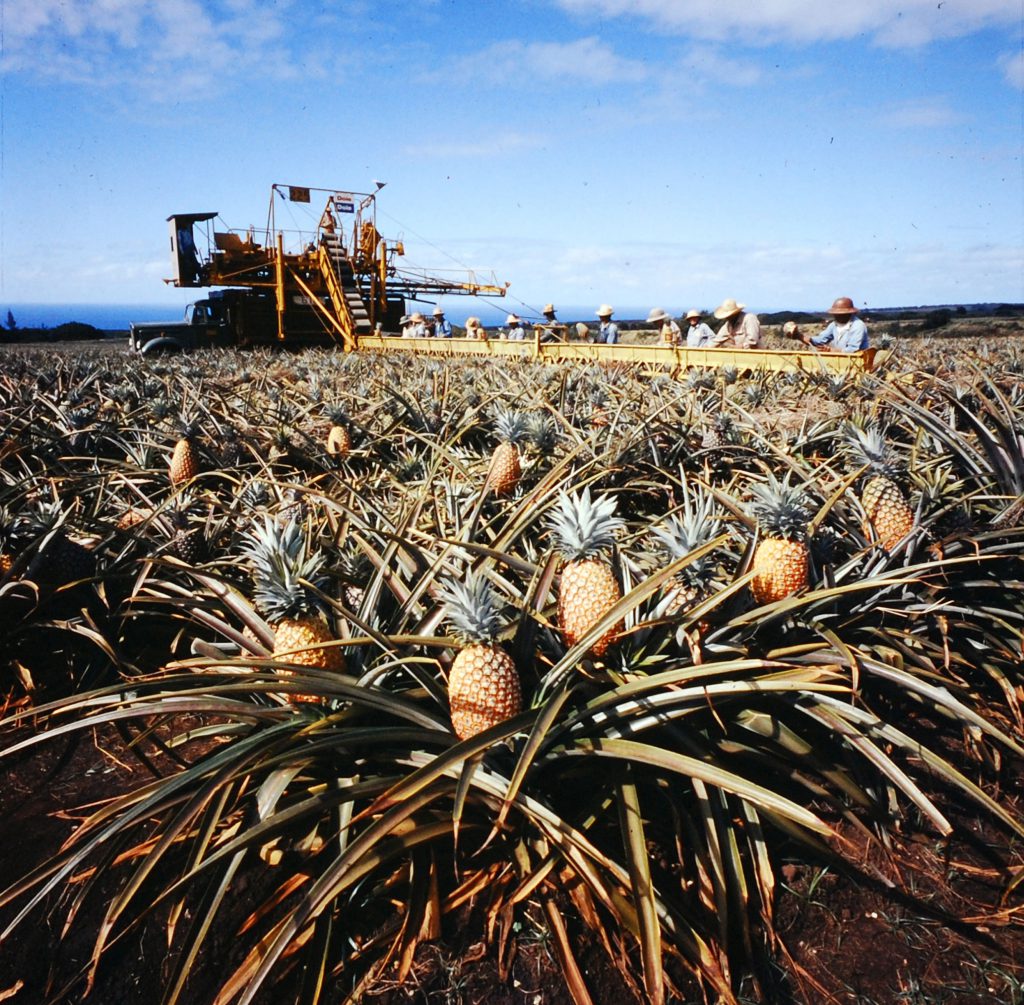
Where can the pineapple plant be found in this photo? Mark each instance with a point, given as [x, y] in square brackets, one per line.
[885, 506]
[184, 465]
[506, 468]
[282, 566]
[58, 559]
[483, 686]
[680, 535]
[780, 560]
[583, 530]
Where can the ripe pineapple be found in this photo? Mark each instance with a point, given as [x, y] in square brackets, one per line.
[339, 437]
[505, 470]
[483, 686]
[583, 530]
[884, 503]
[780, 561]
[184, 464]
[681, 535]
[280, 563]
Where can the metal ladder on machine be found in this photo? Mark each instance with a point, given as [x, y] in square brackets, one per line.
[345, 285]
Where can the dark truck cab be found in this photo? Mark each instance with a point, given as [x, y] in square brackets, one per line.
[224, 318]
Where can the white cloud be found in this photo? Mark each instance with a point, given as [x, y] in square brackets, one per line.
[1013, 69]
[586, 60]
[766, 275]
[894, 23]
[928, 114]
[170, 49]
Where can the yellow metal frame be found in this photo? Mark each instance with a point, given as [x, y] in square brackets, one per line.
[662, 357]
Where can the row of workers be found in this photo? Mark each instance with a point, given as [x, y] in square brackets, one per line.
[845, 332]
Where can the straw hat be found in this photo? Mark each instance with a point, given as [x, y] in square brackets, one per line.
[417, 318]
[473, 323]
[657, 314]
[842, 305]
[439, 312]
[404, 319]
[791, 329]
[512, 319]
[605, 311]
[692, 314]
[727, 309]
[548, 309]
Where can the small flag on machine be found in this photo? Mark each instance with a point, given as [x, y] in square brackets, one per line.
[298, 194]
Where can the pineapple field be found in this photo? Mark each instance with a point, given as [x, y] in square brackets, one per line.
[333, 678]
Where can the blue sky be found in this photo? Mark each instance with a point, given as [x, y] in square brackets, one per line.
[649, 152]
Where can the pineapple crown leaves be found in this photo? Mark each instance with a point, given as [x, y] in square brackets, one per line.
[868, 446]
[287, 575]
[780, 508]
[471, 608]
[582, 527]
[338, 416]
[510, 426]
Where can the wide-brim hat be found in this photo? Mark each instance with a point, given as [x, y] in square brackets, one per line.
[657, 314]
[417, 317]
[404, 319]
[605, 311]
[692, 314]
[842, 305]
[513, 319]
[548, 309]
[727, 309]
[438, 312]
[473, 323]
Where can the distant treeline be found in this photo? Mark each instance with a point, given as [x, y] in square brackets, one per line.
[71, 331]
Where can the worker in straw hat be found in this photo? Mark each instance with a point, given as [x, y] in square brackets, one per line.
[844, 333]
[698, 334]
[474, 329]
[740, 331]
[442, 327]
[670, 332]
[416, 327]
[516, 331]
[550, 329]
[607, 330]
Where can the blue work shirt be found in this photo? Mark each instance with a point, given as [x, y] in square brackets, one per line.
[608, 333]
[442, 327]
[848, 336]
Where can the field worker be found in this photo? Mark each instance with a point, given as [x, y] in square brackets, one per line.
[698, 334]
[551, 328]
[516, 331]
[607, 330]
[474, 329]
[844, 333]
[740, 331]
[417, 326]
[669, 330]
[442, 328]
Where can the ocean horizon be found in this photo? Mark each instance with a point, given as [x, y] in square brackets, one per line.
[117, 317]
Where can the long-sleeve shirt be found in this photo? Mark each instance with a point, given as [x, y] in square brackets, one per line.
[740, 332]
[442, 328]
[699, 336]
[517, 333]
[608, 333]
[845, 336]
[670, 333]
